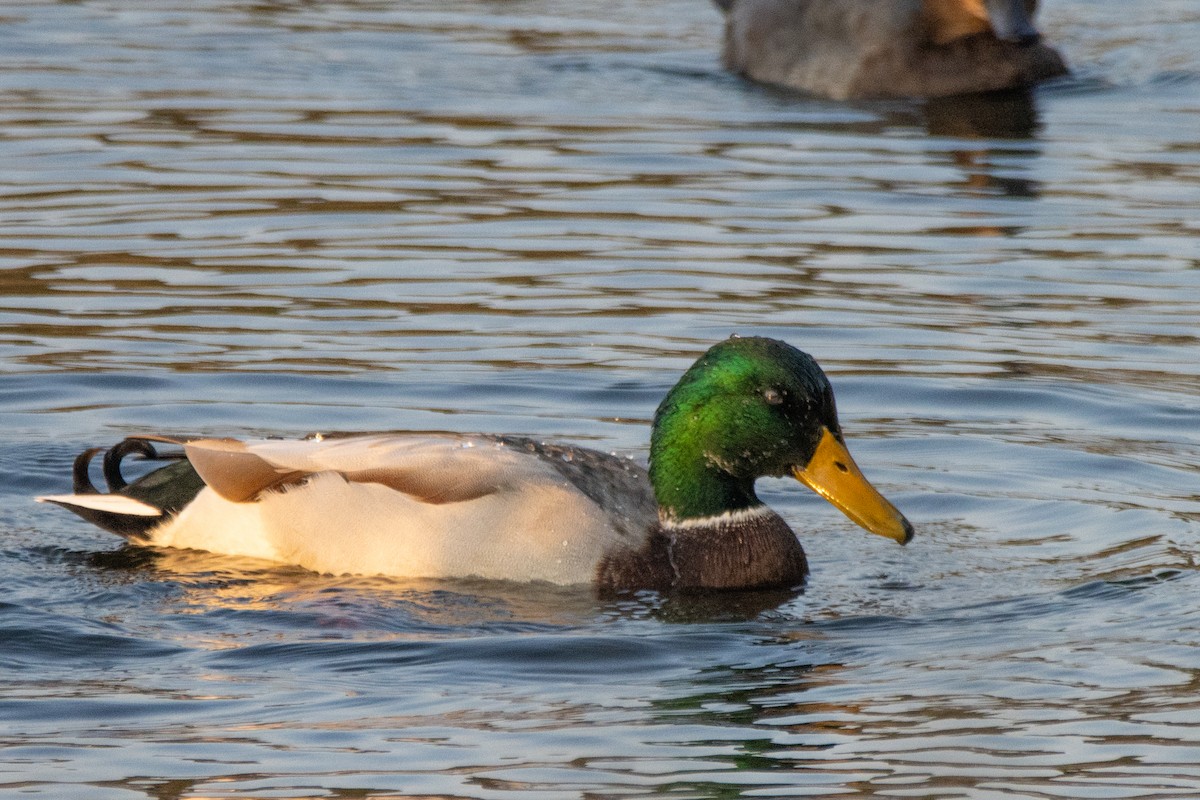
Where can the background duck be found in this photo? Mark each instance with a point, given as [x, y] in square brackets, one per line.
[450, 505]
[887, 48]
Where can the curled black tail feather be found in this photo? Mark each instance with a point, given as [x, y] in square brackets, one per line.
[112, 460]
[81, 483]
[168, 488]
[117, 453]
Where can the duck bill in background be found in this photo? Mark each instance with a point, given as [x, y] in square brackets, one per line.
[1011, 21]
[832, 473]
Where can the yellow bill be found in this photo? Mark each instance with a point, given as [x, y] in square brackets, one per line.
[833, 474]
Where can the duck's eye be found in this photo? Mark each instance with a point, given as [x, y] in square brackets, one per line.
[773, 397]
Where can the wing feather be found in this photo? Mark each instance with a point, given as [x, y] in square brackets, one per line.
[434, 468]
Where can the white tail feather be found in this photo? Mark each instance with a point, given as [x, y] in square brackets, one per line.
[112, 503]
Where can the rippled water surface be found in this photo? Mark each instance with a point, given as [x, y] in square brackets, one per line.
[248, 218]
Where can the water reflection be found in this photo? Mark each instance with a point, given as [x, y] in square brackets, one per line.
[995, 115]
[214, 586]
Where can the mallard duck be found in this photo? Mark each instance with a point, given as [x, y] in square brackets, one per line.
[444, 505]
[887, 48]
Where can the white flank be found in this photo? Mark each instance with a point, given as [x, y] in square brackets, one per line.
[545, 531]
[112, 503]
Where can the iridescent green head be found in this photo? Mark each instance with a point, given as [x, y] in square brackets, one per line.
[753, 407]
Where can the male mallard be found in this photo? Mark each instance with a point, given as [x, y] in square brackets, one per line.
[450, 505]
[887, 48]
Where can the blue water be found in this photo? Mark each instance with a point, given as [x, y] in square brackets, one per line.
[231, 218]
